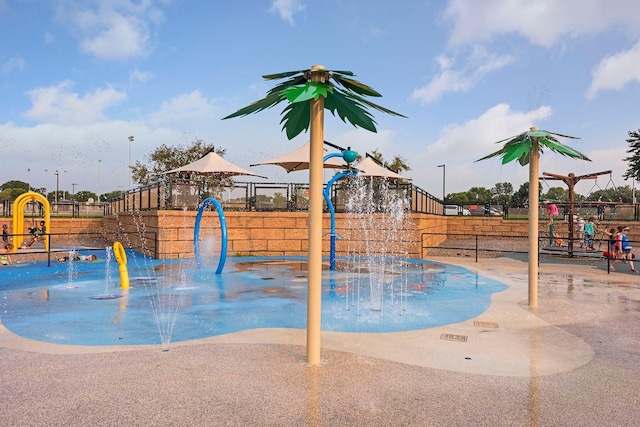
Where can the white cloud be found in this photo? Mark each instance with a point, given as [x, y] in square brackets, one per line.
[615, 71]
[15, 63]
[182, 108]
[479, 63]
[287, 8]
[542, 22]
[110, 30]
[137, 76]
[57, 104]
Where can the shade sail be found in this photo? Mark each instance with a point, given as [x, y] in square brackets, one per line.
[369, 167]
[299, 158]
[212, 164]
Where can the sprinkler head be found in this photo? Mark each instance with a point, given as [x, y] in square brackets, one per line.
[349, 156]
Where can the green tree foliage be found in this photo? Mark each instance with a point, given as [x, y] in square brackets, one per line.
[520, 197]
[557, 194]
[457, 198]
[9, 194]
[113, 195]
[15, 184]
[502, 193]
[10, 190]
[84, 196]
[622, 194]
[62, 195]
[165, 158]
[633, 171]
[479, 195]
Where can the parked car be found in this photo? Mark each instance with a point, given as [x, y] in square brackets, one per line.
[456, 210]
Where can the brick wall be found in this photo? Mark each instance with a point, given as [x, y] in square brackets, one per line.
[268, 233]
[169, 234]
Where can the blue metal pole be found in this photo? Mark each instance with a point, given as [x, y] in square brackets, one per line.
[332, 212]
[223, 230]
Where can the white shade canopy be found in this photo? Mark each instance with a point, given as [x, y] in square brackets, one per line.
[369, 167]
[212, 164]
[299, 158]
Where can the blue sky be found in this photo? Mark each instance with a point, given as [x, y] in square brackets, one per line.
[78, 77]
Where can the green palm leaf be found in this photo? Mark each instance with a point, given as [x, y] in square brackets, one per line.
[296, 119]
[355, 86]
[373, 105]
[564, 136]
[306, 92]
[515, 151]
[262, 104]
[344, 73]
[350, 110]
[299, 80]
[283, 75]
[566, 151]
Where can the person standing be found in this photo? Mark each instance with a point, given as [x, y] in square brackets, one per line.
[580, 230]
[626, 248]
[589, 233]
[5, 236]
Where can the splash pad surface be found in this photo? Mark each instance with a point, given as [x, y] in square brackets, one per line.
[81, 303]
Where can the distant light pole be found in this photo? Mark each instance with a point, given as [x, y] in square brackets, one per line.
[57, 174]
[29, 172]
[73, 198]
[443, 185]
[99, 161]
[131, 138]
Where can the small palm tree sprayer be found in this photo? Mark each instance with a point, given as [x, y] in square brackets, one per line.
[526, 149]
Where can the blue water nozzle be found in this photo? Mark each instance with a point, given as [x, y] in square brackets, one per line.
[349, 155]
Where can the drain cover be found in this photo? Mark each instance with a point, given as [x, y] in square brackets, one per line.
[480, 324]
[453, 337]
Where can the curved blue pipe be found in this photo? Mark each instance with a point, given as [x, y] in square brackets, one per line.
[223, 230]
[327, 197]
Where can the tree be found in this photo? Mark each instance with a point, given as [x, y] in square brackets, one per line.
[165, 158]
[621, 194]
[84, 196]
[526, 149]
[9, 194]
[457, 198]
[15, 184]
[557, 193]
[113, 195]
[309, 92]
[479, 195]
[521, 197]
[634, 159]
[502, 192]
[398, 164]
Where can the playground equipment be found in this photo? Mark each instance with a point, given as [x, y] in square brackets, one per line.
[349, 156]
[223, 229]
[571, 180]
[18, 214]
[121, 257]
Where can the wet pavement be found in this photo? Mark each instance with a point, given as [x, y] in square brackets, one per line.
[573, 361]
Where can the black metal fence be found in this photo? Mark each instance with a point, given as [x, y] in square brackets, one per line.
[252, 196]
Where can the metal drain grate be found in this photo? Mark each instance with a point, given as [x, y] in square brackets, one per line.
[453, 337]
[480, 324]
